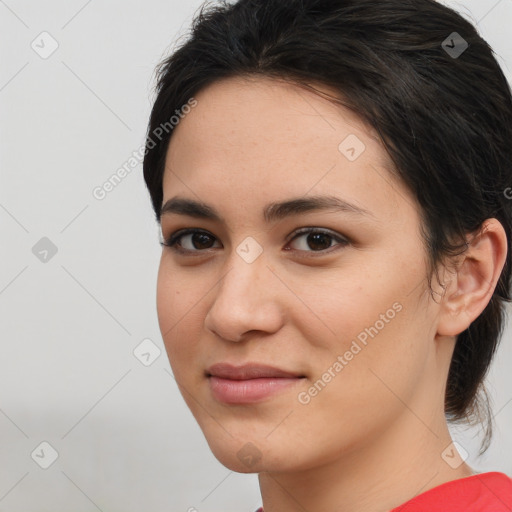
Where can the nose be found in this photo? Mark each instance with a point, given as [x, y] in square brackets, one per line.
[247, 298]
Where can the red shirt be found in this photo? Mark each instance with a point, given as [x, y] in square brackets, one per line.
[484, 492]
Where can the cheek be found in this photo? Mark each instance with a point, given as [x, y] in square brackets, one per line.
[370, 337]
[378, 359]
[178, 295]
[178, 307]
[339, 305]
[167, 301]
[367, 393]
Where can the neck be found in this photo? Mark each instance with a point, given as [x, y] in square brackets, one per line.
[399, 464]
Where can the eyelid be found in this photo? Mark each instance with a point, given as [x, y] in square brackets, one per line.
[343, 241]
[172, 240]
[315, 229]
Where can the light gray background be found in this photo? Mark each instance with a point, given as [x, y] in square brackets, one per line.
[68, 375]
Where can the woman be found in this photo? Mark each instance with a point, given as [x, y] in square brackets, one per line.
[331, 369]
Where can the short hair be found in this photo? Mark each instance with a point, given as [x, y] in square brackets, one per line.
[417, 72]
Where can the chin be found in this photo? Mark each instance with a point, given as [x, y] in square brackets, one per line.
[245, 456]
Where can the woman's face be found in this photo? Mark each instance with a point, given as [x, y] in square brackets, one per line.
[343, 309]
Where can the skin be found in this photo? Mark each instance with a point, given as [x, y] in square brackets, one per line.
[372, 438]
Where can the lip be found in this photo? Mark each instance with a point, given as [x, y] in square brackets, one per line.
[248, 371]
[248, 383]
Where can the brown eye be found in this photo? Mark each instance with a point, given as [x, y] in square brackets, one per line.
[195, 241]
[199, 240]
[315, 240]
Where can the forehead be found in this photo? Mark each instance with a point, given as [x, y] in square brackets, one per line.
[251, 105]
[249, 137]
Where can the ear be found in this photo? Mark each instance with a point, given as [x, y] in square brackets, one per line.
[472, 283]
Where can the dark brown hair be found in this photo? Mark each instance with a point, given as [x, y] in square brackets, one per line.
[416, 71]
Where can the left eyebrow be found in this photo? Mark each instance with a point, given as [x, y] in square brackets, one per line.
[302, 205]
[272, 211]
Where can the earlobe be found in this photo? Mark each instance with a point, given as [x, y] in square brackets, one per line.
[474, 280]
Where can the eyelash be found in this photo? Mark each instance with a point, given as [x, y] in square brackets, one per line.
[172, 241]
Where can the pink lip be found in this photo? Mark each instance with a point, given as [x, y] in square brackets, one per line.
[248, 383]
